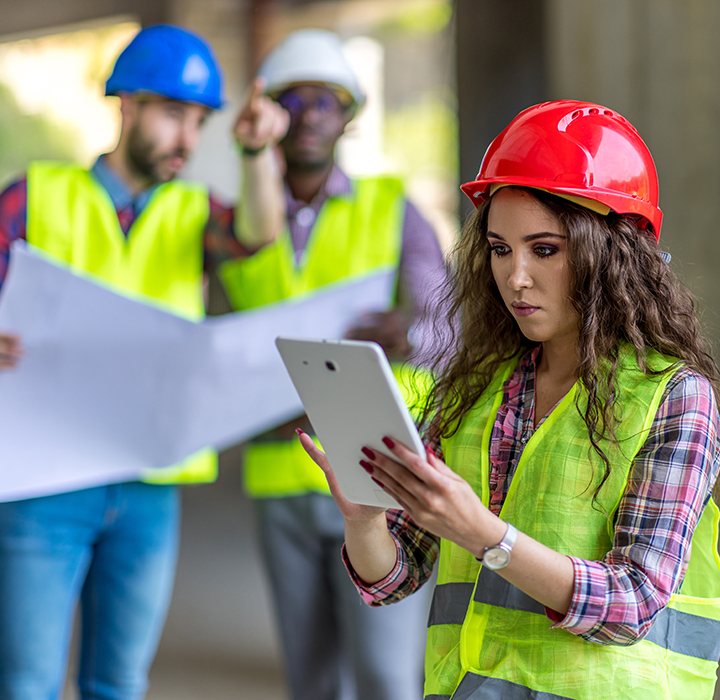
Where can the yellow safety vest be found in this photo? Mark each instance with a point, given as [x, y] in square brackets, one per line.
[71, 217]
[355, 235]
[487, 639]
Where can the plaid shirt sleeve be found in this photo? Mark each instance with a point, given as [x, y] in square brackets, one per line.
[417, 550]
[13, 211]
[616, 599]
[219, 240]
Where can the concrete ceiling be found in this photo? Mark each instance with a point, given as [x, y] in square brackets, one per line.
[36, 17]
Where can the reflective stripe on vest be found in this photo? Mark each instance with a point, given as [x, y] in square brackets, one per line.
[477, 687]
[450, 603]
[672, 629]
[354, 235]
[71, 217]
[503, 647]
[686, 634]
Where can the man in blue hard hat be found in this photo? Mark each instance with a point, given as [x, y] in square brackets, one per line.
[129, 221]
[336, 227]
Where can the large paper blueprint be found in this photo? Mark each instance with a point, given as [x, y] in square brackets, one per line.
[110, 387]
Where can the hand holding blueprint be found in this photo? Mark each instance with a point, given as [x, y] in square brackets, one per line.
[110, 387]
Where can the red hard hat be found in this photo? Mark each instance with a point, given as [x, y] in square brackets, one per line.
[574, 149]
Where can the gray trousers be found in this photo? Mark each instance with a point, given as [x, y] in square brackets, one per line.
[336, 647]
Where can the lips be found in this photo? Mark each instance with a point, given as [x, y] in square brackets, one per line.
[522, 309]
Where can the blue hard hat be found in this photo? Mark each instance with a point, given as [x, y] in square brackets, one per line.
[168, 61]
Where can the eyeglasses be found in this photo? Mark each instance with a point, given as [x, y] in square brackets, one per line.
[323, 104]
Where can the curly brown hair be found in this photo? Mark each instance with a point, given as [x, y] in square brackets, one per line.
[622, 289]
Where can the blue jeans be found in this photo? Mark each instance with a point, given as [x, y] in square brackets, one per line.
[112, 547]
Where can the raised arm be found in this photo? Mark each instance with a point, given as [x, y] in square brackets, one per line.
[260, 211]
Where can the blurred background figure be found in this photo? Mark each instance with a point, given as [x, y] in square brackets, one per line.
[129, 221]
[337, 228]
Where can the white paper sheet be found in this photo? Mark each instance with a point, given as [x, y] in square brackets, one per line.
[110, 387]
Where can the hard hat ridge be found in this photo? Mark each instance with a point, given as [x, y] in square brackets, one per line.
[169, 61]
[577, 150]
[312, 56]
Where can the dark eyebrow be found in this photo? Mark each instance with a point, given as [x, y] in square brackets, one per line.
[529, 237]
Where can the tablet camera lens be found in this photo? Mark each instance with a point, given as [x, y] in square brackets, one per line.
[330, 366]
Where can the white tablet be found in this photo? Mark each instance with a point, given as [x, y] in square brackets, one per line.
[352, 400]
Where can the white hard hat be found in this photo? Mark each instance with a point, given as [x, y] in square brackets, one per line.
[310, 56]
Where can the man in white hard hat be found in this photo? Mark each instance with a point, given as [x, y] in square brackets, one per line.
[337, 227]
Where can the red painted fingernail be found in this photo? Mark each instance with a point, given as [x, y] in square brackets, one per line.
[377, 482]
[367, 467]
[388, 443]
[368, 453]
[299, 432]
[430, 450]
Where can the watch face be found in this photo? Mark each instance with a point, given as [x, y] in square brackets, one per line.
[496, 558]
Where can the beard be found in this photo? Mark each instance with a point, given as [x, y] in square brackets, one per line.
[145, 160]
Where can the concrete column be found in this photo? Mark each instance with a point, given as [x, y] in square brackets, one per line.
[501, 69]
[657, 63]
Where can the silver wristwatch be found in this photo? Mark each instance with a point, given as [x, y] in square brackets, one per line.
[498, 557]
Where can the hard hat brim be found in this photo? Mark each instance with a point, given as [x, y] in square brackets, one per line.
[480, 190]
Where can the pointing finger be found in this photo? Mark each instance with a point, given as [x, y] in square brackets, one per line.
[257, 90]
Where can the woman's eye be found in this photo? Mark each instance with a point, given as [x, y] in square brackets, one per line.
[499, 249]
[544, 251]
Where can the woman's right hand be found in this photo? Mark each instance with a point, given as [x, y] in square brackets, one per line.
[369, 546]
[350, 511]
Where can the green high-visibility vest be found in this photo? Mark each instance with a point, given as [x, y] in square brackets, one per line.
[487, 639]
[354, 235]
[71, 217]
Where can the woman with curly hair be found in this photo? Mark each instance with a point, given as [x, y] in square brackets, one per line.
[575, 408]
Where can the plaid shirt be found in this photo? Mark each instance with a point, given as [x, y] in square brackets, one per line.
[219, 241]
[616, 599]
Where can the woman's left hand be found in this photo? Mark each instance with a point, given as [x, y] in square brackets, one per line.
[436, 497]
